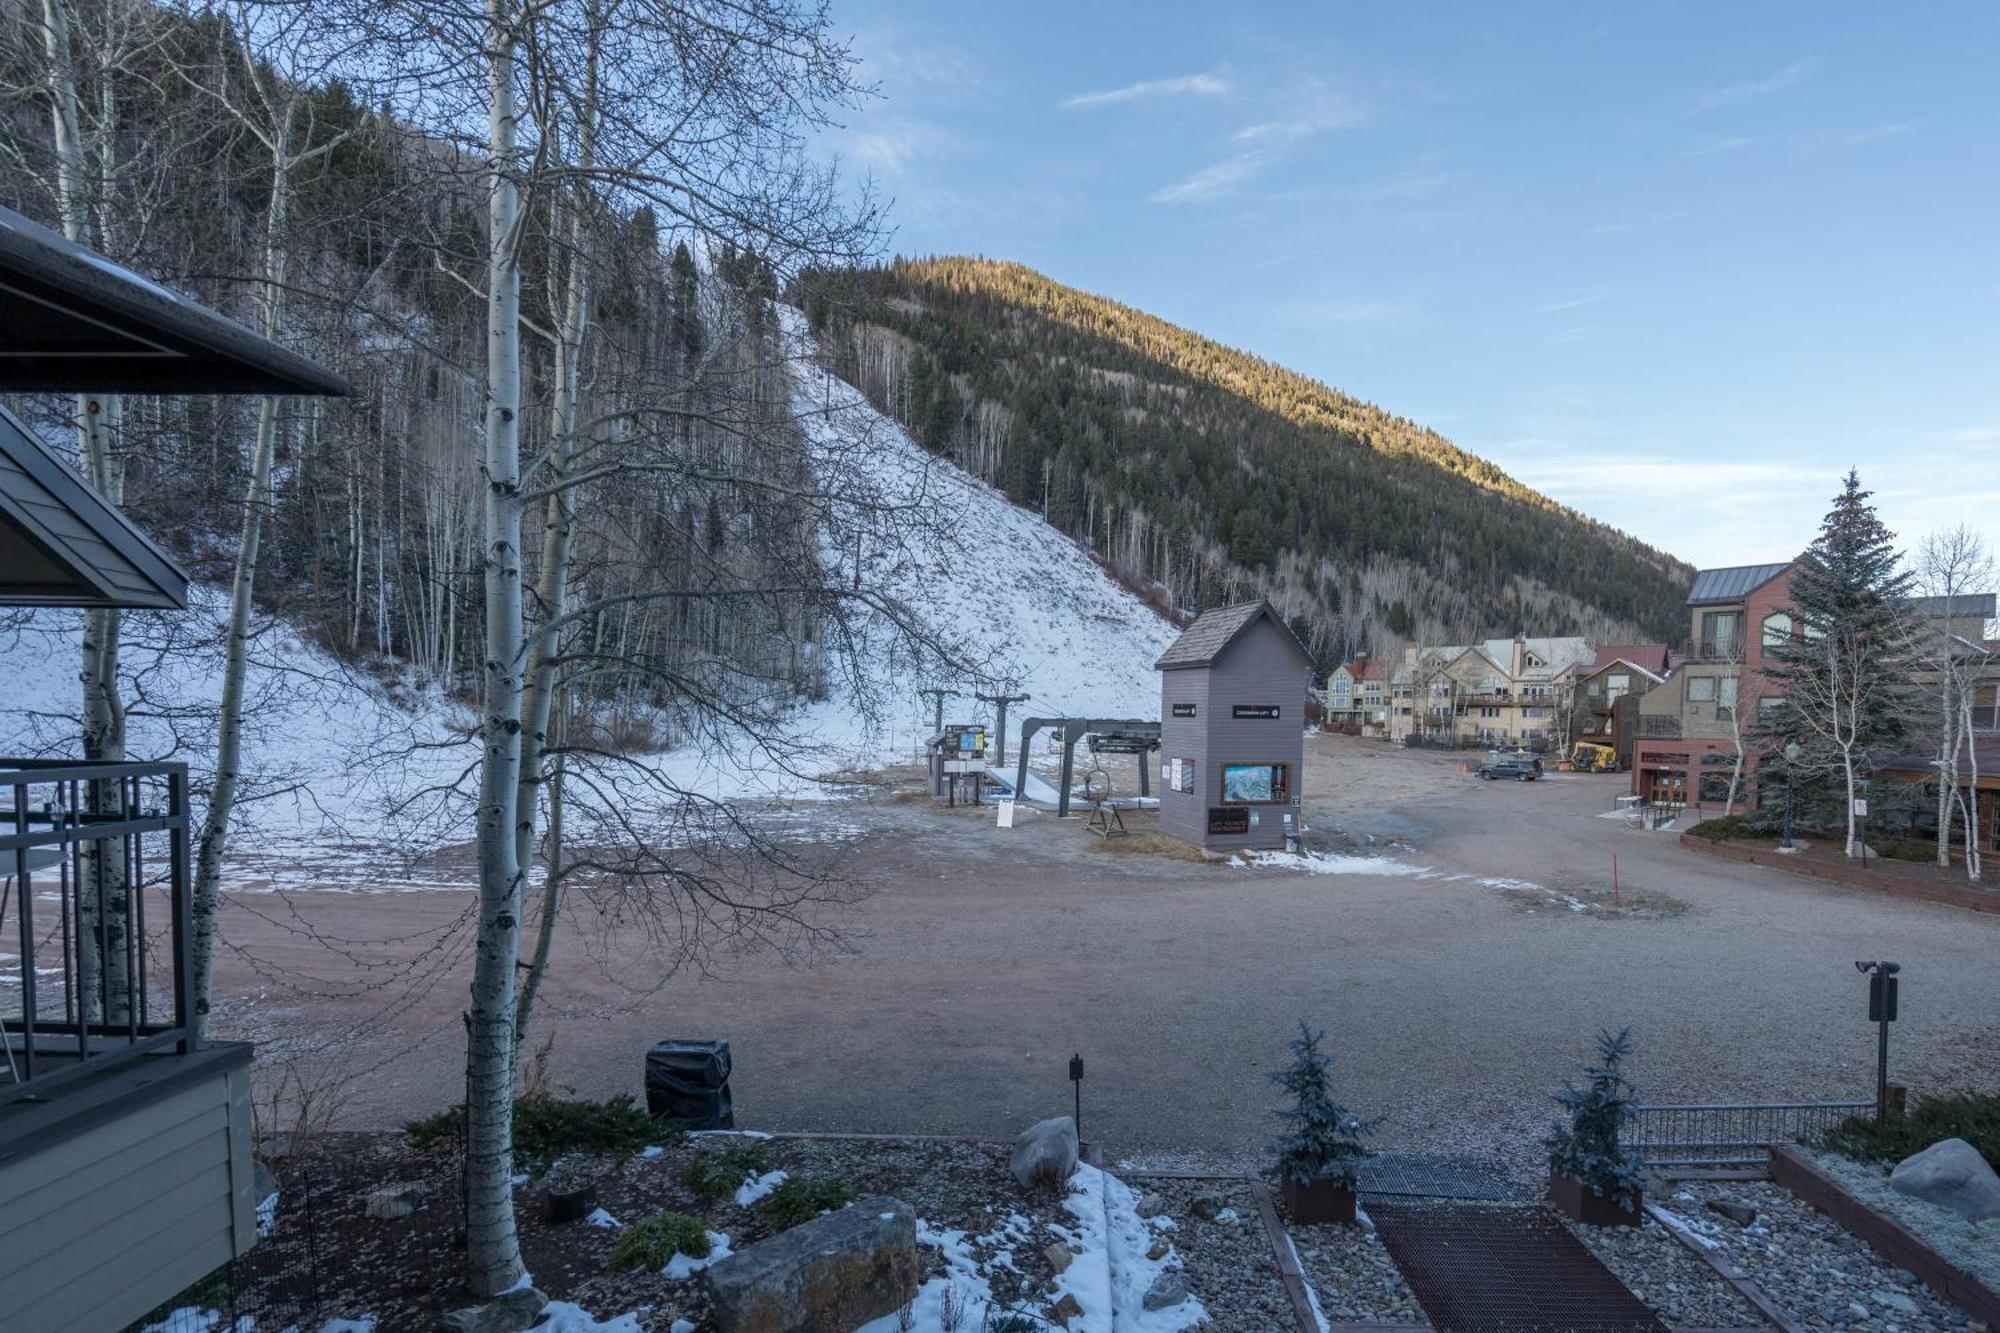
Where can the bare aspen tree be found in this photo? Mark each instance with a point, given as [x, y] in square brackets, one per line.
[1951, 564]
[271, 56]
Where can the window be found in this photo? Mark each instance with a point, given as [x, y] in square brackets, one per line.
[1725, 698]
[1768, 707]
[1777, 629]
[1986, 707]
[1596, 688]
[1701, 689]
[1715, 788]
[1721, 633]
[1256, 784]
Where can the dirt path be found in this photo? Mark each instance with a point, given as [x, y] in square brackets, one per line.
[1457, 999]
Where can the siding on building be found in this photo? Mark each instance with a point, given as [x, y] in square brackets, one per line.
[105, 1224]
[1261, 666]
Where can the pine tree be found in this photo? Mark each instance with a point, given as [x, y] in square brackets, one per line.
[1588, 1148]
[1845, 671]
[1321, 1139]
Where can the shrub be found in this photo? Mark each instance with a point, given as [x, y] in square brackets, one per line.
[1974, 1117]
[716, 1172]
[546, 1128]
[1722, 828]
[1587, 1148]
[1905, 849]
[802, 1198]
[654, 1242]
[1321, 1140]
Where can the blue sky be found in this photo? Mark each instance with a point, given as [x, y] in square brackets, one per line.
[1676, 267]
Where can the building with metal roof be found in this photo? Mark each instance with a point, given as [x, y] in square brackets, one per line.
[1715, 586]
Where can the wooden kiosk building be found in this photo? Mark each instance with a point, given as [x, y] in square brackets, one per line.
[1232, 730]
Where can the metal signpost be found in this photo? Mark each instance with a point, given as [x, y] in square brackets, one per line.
[1881, 1012]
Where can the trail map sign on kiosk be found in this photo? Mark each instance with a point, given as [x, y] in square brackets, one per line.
[1232, 730]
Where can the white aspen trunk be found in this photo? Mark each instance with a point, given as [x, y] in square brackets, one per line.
[242, 596]
[1974, 851]
[493, 1251]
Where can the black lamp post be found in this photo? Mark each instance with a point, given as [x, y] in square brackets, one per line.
[1881, 1012]
[1076, 1085]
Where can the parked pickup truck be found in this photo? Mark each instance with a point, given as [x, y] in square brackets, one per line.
[1522, 767]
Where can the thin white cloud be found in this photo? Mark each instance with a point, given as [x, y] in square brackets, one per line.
[1214, 181]
[1355, 310]
[1752, 89]
[1711, 147]
[1587, 297]
[1874, 133]
[1187, 85]
[893, 145]
[1968, 435]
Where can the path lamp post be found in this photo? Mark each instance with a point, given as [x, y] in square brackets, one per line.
[1076, 1086]
[1881, 1012]
[1791, 761]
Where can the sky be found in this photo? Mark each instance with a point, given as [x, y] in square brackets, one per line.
[1679, 267]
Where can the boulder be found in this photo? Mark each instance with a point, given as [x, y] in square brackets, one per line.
[1045, 1154]
[1058, 1256]
[1208, 1204]
[509, 1312]
[1168, 1290]
[396, 1200]
[1149, 1205]
[1951, 1174]
[839, 1270]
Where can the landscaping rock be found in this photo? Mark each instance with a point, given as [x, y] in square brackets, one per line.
[510, 1312]
[1058, 1256]
[1208, 1203]
[1894, 1300]
[1157, 1251]
[1045, 1154]
[1065, 1310]
[1149, 1205]
[396, 1200]
[1742, 1214]
[1168, 1289]
[1951, 1174]
[839, 1270]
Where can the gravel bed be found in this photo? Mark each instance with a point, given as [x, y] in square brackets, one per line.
[1973, 1246]
[1226, 1257]
[1670, 1278]
[1809, 1264]
[1351, 1274]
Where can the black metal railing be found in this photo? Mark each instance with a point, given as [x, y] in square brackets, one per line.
[1727, 1134]
[1660, 726]
[94, 900]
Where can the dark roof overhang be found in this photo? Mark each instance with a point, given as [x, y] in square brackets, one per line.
[75, 320]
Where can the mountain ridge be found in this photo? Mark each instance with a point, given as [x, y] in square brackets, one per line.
[1208, 473]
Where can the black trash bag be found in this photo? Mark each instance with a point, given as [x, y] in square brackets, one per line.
[687, 1082]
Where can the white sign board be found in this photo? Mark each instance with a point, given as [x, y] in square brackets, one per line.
[1861, 807]
[1173, 775]
[1006, 814]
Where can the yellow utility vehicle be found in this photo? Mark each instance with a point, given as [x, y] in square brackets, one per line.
[1590, 757]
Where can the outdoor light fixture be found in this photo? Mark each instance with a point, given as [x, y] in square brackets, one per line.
[1881, 1012]
[1076, 1085]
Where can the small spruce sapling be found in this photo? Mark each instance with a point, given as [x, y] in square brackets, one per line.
[1587, 1148]
[1322, 1141]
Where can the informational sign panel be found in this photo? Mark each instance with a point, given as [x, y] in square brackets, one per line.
[1183, 777]
[1183, 710]
[1228, 819]
[1861, 807]
[1254, 712]
[1006, 814]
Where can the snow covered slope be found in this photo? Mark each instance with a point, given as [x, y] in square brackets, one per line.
[332, 752]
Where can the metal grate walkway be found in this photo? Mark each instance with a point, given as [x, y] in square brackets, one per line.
[1493, 1269]
[1424, 1175]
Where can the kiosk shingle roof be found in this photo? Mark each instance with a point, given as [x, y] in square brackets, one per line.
[1213, 631]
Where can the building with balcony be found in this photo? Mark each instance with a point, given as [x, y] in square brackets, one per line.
[1605, 703]
[1499, 692]
[125, 1167]
[1357, 696]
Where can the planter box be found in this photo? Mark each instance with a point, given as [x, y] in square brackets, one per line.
[1318, 1202]
[1576, 1201]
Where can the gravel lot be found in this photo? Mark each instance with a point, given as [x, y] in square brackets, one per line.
[1456, 998]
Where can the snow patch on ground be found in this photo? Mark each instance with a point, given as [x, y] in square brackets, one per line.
[1329, 863]
[684, 1265]
[601, 1217]
[755, 1187]
[267, 1213]
[569, 1317]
